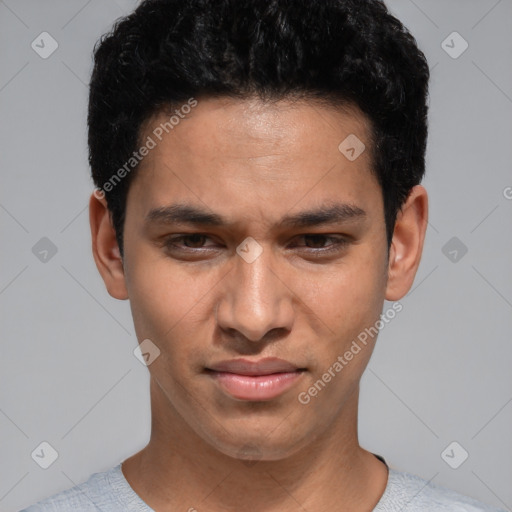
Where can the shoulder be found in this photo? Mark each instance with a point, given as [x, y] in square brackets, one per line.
[410, 493]
[98, 494]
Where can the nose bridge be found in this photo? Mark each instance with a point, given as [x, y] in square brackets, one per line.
[255, 300]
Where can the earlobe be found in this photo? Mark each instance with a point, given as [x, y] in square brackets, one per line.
[407, 244]
[105, 248]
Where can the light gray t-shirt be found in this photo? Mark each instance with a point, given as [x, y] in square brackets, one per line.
[109, 491]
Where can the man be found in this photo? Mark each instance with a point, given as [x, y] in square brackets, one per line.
[258, 169]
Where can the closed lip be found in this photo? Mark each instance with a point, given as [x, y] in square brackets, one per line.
[266, 366]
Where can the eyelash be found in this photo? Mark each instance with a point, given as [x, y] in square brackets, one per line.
[339, 243]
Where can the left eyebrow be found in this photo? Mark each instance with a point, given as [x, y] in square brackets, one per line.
[335, 214]
[195, 215]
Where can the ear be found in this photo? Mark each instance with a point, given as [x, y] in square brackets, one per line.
[105, 248]
[407, 243]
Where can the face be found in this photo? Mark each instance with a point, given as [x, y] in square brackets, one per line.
[286, 258]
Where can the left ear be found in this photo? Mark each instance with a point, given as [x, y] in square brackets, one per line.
[407, 243]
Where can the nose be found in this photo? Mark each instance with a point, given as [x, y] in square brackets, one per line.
[256, 298]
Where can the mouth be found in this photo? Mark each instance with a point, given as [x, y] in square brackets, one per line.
[262, 380]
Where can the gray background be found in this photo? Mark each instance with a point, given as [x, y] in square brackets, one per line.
[441, 369]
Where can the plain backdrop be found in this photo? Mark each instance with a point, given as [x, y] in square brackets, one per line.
[441, 369]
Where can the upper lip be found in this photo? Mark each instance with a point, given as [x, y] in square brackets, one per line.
[265, 366]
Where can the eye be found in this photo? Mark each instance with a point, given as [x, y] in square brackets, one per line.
[318, 242]
[193, 241]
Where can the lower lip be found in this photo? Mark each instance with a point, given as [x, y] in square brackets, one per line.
[256, 387]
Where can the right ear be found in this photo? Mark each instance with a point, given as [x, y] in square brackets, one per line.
[105, 248]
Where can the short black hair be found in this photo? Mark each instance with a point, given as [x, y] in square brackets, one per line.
[336, 51]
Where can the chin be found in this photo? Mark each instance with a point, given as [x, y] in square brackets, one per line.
[262, 447]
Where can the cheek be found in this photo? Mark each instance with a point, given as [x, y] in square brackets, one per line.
[349, 302]
[350, 295]
[359, 300]
[169, 305]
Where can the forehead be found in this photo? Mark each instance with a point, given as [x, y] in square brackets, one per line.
[249, 127]
[255, 155]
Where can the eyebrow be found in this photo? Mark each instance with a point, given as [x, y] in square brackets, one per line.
[197, 216]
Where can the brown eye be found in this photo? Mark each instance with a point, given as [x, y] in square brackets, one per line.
[316, 242]
[194, 240]
[191, 241]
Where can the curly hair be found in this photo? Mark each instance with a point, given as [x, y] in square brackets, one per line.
[336, 51]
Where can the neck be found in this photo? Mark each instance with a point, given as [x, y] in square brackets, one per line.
[179, 470]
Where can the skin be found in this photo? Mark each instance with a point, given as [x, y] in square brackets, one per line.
[253, 163]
